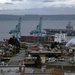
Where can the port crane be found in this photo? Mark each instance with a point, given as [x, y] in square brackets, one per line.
[17, 30]
[38, 31]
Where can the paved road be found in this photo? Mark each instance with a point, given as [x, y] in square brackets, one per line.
[19, 57]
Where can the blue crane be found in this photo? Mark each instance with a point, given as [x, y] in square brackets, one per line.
[17, 30]
[38, 30]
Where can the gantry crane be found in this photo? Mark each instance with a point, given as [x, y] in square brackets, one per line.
[17, 30]
[38, 30]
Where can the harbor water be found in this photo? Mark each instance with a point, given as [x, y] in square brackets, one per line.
[27, 26]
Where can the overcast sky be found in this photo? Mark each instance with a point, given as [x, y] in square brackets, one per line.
[37, 7]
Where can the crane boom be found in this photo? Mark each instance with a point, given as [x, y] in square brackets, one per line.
[38, 29]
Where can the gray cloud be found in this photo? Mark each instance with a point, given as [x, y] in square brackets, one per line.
[53, 0]
[9, 3]
[35, 0]
[37, 4]
[40, 11]
[41, 0]
[49, 1]
[16, 0]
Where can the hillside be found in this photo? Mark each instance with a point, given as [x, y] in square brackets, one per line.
[36, 17]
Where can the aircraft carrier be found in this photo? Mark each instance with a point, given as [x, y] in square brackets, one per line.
[68, 30]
